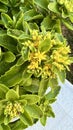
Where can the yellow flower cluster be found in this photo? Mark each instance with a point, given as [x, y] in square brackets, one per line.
[60, 57]
[13, 109]
[68, 4]
[47, 71]
[36, 59]
[41, 62]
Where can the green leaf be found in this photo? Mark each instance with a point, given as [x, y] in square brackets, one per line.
[31, 99]
[17, 34]
[43, 120]
[53, 7]
[6, 20]
[18, 125]
[4, 66]
[45, 45]
[33, 26]
[34, 111]
[53, 83]
[9, 56]
[71, 17]
[68, 24]
[1, 128]
[27, 83]
[11, 95]
[25, 53]
[26, 76]
[1, 115]
[57, 26]
[13, 76]
[62, 76]
[6, 127]
[42, 3]
[50, 112]
[19, 21]
[65, 14]
[3, 88]
[52, 94]
[26, 119]
[23, 101]
[31, 85]
[47, 23]
[43, 87]
[32, 15]
[20, 61]
[59, 37]
[4, 2]
[3, 8]
[8, 42]
[6, 120]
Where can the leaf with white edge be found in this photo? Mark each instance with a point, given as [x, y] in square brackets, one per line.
[43, 120]
[13, 76]
[31, 85]
[6, 20]
[8, 42]
[32, 15]
[53, 82]
[65, 14]
[3, 88]
[62, 76]
[34, 111]
[33, 26]
[42, 3]
[26, 75]
[45, 45]
[31, 99]
[50, 112]
[19, 21]
[18, 125]
[11, 95]
[43, 87]
[20, 61]
[26, 118]
[9, 57]
[25, 53]
[53, 7]
[17, 34]
[4, 66]
[52, 94]
[47, 23]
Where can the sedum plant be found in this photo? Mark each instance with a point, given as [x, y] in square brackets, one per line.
[34, 56]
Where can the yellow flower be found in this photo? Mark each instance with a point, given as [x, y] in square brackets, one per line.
[36, 36]
[13, 109]
[59, 66]
[47, 36]
[40, 56]
[35, 59]
[33, 65]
